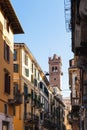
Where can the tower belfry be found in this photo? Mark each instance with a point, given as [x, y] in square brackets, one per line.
[55, 64]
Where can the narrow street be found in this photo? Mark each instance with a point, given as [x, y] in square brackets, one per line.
[43, 81]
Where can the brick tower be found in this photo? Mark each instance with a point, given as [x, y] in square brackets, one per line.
[55, 64]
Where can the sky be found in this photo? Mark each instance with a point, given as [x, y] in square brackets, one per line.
[43, 22]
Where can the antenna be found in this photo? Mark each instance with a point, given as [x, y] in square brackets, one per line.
[67, 10]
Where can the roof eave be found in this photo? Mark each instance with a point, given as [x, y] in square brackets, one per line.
[9, 13]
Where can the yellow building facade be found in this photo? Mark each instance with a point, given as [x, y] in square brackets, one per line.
[29, 80]
[9, 25]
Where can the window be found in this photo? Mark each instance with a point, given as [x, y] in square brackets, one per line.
[6, 52]
[52, 68]
[41, 116]
[32, 95]
[5, 125]
[26, 59]
[16, 68]
[38, 76]
[56, 69]
[35, 82]
[25, 90]
[5, 109]
[41, 85]
[35, 72]
[6, 25]
[54, 78]
[32, 67]
[15, 55]
[32, 78]
[27, 72]
[15, 89]
[7, 82]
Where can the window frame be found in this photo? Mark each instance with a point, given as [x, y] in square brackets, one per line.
[16, 68]
[6, 52]
[15, 55]
[7, 82]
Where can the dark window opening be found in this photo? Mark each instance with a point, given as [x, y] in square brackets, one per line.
[41, 85]
[15, 89]
[7, 82]
[5, 125]
[6, 52]
[32, 78]
[52, 68]
[35, 82]
[32, 67]
[35, 72]
[25, 89]
[16, 68]
[15, 55]
[26, 59]
[41, 116]
[5, 109]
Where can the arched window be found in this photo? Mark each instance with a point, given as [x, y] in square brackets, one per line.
[52, 69]
[56, 69]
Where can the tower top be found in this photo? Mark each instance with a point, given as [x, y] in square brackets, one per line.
[55, 58]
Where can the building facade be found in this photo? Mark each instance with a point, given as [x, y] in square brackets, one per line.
[79, 48]
[9, 25]
[31, 81]
[55, 73]
[67, 103]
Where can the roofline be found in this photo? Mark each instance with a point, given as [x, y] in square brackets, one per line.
[34, 60]
[9, 13]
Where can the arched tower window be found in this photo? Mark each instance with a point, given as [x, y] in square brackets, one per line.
[56, 69]
[52, 69]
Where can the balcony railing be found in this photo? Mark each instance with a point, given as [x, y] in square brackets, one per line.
[30, 118]
[17, 100]
[49, 124]
[73, 117]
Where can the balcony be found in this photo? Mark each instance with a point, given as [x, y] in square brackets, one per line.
[17, 99]
[73, 117]
[49, 121]
[49, 124]
[27, 98]
[37, 104]
[30, 118]
[75, 113]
